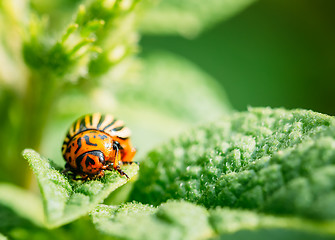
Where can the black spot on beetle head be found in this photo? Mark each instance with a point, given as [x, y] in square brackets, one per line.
[102, 137]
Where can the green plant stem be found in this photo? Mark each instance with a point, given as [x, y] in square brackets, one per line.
[38, 104]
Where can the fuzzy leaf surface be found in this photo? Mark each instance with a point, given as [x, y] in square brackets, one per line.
[66, 200]
[137, 221]
[183, 220]
[272, 160]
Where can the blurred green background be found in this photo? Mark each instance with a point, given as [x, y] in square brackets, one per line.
[161, 69]
[276, 53]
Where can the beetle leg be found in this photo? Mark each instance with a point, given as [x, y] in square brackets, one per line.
[99, 175]
[122, 173]
[117, 158]
[128, 163]
[107, 165]
[83, 178]
[66, 170]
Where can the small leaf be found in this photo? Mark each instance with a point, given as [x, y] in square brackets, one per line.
[2, 237]
[189, 17]
[23, 205]
[64, 200]
[225, 220]
[272, 160]
[183, 220]
[172, 220]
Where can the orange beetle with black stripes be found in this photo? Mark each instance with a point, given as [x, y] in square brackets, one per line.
[95, 143]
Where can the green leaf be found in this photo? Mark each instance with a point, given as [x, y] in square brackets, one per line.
[19, 207]
[64, 200]
[189, 17]
[183, 220]
[274, 234]
[276, 161]
[137, 221]
[2, 237]
[225, 220]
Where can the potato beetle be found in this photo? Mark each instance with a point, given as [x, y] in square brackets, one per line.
[95, 143]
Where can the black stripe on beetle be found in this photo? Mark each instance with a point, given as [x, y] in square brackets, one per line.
[79, 145]
[123, 138]
[102, 137]
[82, 126]
[91, 120]
[68, 149]
[102, 119]
[118, 128]
[109, 124]
[98, 154]
[68, 136]
[89, 161]
[78, 162]
[87, 140]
